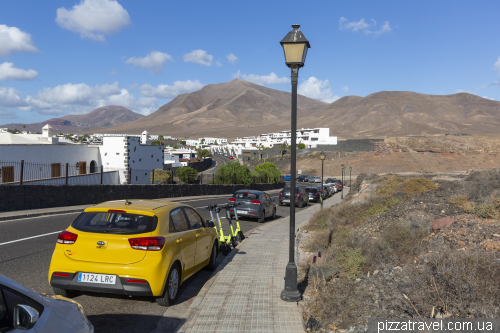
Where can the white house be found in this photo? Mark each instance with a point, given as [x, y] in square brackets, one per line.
[45, 157]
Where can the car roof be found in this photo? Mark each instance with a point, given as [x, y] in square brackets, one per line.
[250, 191]
[141, 206]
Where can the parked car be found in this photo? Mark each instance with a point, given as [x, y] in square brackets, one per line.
[333, 190]
[231, 158]
[302, 178]
[314, 194]
[314, 179]
[254, 204]
[137, 248]
[339, 184]
[287, 177]
[328, 190]
[329, 180]
[22, 309]
[301, 196]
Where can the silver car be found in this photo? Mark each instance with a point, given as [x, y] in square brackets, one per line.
[22, 309]
[255, 204]
[315, 179]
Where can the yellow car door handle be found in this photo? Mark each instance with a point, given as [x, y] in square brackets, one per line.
[197, 235]
[179, 240]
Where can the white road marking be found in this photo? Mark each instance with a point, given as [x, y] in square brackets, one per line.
[34, 217]
[23, 239]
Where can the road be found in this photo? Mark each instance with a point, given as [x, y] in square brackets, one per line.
[26, 247]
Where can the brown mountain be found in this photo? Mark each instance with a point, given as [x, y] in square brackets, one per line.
[230, 109]
[402, 113]
[101, 117]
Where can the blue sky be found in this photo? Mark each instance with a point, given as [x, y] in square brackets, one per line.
[69, 57]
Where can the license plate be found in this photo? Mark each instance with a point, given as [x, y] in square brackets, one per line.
[96, 278]
[286, 200]
[241, 212]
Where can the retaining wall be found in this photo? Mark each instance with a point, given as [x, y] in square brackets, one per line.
[23, 197]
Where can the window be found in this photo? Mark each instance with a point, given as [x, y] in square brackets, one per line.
[55, 170]
[83, 168]
[114, 223]
[105, 154]
[117, 153]
[177, 220]
[245, 195]
[4, 315]
[314, 139]
[195, 220]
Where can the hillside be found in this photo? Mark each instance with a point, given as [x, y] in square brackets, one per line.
[101, 117]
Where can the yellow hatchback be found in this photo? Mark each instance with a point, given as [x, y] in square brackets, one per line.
[137, 248]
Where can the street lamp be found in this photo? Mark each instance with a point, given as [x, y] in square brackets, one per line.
[342, 195]
[350, 178]
[295, 47]
[322, 156]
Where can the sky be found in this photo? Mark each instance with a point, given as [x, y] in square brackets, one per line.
[63, 57]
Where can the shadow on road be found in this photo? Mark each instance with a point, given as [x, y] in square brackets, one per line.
[125, 323]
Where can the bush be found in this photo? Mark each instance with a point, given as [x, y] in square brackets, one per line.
[233, 173]
[160, 176]
[301, 146]
[268, 170]
[350, 263]
[187, 174]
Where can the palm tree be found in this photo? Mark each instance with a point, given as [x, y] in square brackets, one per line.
[260, 146]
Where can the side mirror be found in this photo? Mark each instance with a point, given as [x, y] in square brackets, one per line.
[25, 317]
[210, 224]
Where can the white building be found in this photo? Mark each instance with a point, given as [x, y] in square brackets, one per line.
[46, 156]
[206, 141]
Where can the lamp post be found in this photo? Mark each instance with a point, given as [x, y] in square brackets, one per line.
[322, 156]
[295, 47]
[350, 178]
[342, 195]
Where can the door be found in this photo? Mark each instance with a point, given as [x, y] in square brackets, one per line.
[203, 236]
[55, 170]
[83, 168]
[268, 204]
[7, 174]
[185, 239]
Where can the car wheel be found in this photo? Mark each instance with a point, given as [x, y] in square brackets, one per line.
[274, 214]
[213, 258]
[64, 292]
[262, 217]
[171, 291]
[301, 204]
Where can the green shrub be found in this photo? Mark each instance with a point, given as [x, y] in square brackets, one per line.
[233, 173]
[350, 263]
[301, 146]
[160, 176]
[187, 174]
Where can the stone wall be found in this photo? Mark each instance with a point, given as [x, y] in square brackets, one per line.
[24, 197]
[201, 166]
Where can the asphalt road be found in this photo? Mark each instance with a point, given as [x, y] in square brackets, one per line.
[26, 247]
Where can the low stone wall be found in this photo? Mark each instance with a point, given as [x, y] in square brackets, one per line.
[46, 196]
[201, 166]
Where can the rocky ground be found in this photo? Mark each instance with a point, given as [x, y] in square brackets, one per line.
[386, 292]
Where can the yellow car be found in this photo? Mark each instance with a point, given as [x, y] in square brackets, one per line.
[137, 248]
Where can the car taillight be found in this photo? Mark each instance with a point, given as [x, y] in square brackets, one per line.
[298, 194]
[61, 274]
[66, 237]
[256, 202]
[281, 192]
[232, 199]
[136, 281]
[147, 243]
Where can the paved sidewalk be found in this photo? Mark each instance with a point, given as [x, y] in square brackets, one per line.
[243, 295]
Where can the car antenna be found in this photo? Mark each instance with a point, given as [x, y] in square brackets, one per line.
[126, 200]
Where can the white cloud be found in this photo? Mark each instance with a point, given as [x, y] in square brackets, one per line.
[133, 86]
[317, 89]
[362, 25]
[7, 114]
[166, 91]
[143, 105]
[9, 72]
[497, 65]
[233, 60]
[113, 72]
[345, 89]
[10, 97]
[12, 39]
[70, 93]
[262, 79]
[200, 57]
[218, 64]
[154, 61]
[94, 18]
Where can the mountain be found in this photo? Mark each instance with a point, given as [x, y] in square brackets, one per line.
[230, 109]
[101, 117]
[402, 113]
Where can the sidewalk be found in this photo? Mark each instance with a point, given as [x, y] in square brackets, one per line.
[243, 295]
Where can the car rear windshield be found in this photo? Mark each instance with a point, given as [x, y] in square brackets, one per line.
[115, 223]
[246, 195]
[311, 190]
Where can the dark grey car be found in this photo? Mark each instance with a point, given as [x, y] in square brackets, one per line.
[301, 196]
[253, 204]
[22, 309]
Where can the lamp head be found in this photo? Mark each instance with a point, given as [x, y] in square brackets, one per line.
[295, 47]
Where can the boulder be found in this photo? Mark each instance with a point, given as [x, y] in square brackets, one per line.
[441, 223]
